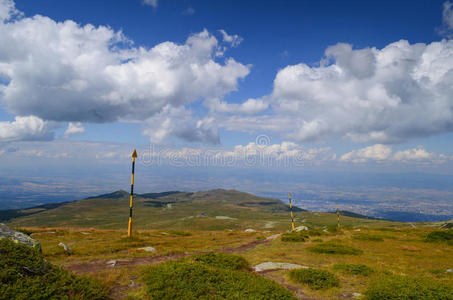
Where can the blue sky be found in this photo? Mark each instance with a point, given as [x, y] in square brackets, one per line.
[349, 86]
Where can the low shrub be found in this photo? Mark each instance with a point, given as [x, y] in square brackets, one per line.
[317, 240]
[314, 278]
[354, 269]
[24, 274]
[185, 280]
[333, 228]
[368, 237]
[222, 260]
[440, 236]
[179, 233]
[404, 287]
[334, 247]
[294, 237]
[315, 232]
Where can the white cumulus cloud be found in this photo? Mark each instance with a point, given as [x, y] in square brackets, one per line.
[179, 122]
[74, 128]
[447, 19]
[29, 128]
[234, 39]
[377, 152]
[86, 73]
[368, 95]
[251, 106]
[82, 73]
[8, 10]
[384, 153]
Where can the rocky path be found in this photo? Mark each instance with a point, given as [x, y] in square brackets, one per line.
[117, 292]
[102, 264]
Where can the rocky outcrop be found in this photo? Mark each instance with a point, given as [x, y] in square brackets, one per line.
[276, 266]
[18, 237]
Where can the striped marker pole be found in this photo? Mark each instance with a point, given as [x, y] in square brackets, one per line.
[291, 209]
[338, 219]
[129, 228]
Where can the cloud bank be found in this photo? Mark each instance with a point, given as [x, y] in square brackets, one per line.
[387, 95]
[66, 72]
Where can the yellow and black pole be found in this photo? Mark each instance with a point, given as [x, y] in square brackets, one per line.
[291, 209]
[338, 219]
[129, 228]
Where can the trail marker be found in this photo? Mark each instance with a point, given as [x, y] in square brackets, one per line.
[129, 228]
[291, 209]
[338, 219]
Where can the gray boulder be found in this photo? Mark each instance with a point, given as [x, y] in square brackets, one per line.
[18, 237]
[277, 266]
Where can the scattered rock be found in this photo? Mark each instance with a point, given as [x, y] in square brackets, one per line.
[169, 206]
[357, 229]
[18, 237]
[41, 233]
[449, 271]
[250, 230]
[224, 218]
[147, 249]
[277, 266]
[412, 225]
[300, 228]
[356, 294]
[447, 225]
[164, 233]
[273, 237]
[111, 263]
[86, 232]
[269, 224]
[65, 247]
[132, 284]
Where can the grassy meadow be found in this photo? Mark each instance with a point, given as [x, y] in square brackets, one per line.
[365, 259]
[399, 251]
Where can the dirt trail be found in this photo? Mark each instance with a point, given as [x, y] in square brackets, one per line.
[117, 292]
[102, 264]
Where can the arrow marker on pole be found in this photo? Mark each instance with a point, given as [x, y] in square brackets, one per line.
[338, 218]
[291, 209]
[129, 228]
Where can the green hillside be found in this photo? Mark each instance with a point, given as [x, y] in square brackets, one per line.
[208, 210]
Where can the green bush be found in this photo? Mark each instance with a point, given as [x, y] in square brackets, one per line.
[440, 236]
[354, 269]
[24, 274]
[222, 260]
[333, 228]
[368, 237]
[179, 233]
[185, 280]
[315, 232]
[334, 247]
[314, 278]
[294, 237]
[404, 287]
